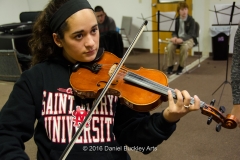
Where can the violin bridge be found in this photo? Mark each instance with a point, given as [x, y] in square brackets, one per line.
[112, 69]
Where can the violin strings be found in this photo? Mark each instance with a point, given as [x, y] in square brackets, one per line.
[151, 84]
[122, 72]
[159, 86]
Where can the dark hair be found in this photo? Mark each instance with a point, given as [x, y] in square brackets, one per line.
[98, 9]
[42, 44]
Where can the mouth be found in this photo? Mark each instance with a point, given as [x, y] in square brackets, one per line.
[91, 52]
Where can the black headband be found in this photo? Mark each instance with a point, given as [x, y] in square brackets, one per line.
[65, 11]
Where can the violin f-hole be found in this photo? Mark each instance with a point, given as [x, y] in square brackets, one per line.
[115, 82]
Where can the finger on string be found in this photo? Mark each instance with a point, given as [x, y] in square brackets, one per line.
[196, 105]
[187, 97]
[179, 97]
[170, 97]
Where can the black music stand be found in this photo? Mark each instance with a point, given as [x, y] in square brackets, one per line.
[230, 23]
[161, 18]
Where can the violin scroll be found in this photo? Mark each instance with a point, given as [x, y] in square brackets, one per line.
[229, 121]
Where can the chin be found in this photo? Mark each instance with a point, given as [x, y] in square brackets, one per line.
[90, 58]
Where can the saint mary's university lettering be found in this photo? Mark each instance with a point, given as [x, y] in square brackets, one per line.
[62, 119]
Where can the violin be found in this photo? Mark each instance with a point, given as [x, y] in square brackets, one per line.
[141, 90]
[133, 87]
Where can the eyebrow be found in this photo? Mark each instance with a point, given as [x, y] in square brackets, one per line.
[77, 32]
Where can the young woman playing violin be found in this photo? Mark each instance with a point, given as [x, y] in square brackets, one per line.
[65, 33]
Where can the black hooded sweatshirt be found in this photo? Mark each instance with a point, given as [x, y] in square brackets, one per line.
[43, 93]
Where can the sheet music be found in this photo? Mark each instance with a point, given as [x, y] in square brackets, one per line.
[223, 14]
[167, 21]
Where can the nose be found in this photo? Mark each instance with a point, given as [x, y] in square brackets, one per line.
[89, 42]
[100, 19]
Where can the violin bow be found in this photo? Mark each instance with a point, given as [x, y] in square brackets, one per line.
[87, 118]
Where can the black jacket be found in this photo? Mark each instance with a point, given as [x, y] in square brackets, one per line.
[107, 25]
[112, 41]
[43, 93]
[190, 31]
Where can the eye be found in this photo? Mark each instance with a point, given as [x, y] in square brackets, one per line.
[94, 30]
[79, 36]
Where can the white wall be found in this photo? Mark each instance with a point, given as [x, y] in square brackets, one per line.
[10, 9]
[37, 5]
[200, 14]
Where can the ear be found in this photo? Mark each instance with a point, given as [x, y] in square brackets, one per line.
[57, 40]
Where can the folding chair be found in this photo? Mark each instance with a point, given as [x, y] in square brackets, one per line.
[29, 16]
[10, 69]
[197, 29]
[125, 29]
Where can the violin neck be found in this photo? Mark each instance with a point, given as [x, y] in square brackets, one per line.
[153, 86]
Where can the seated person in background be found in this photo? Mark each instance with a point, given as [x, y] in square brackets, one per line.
[110, 39]
[182, 36]
[105, 23]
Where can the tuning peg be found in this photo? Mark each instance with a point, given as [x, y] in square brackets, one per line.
[222, 109]
[209, 121]
[218, 127]
[212, 102]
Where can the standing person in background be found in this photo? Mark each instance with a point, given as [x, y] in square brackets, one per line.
[105, 23]
[235, 75]
[183, 36]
